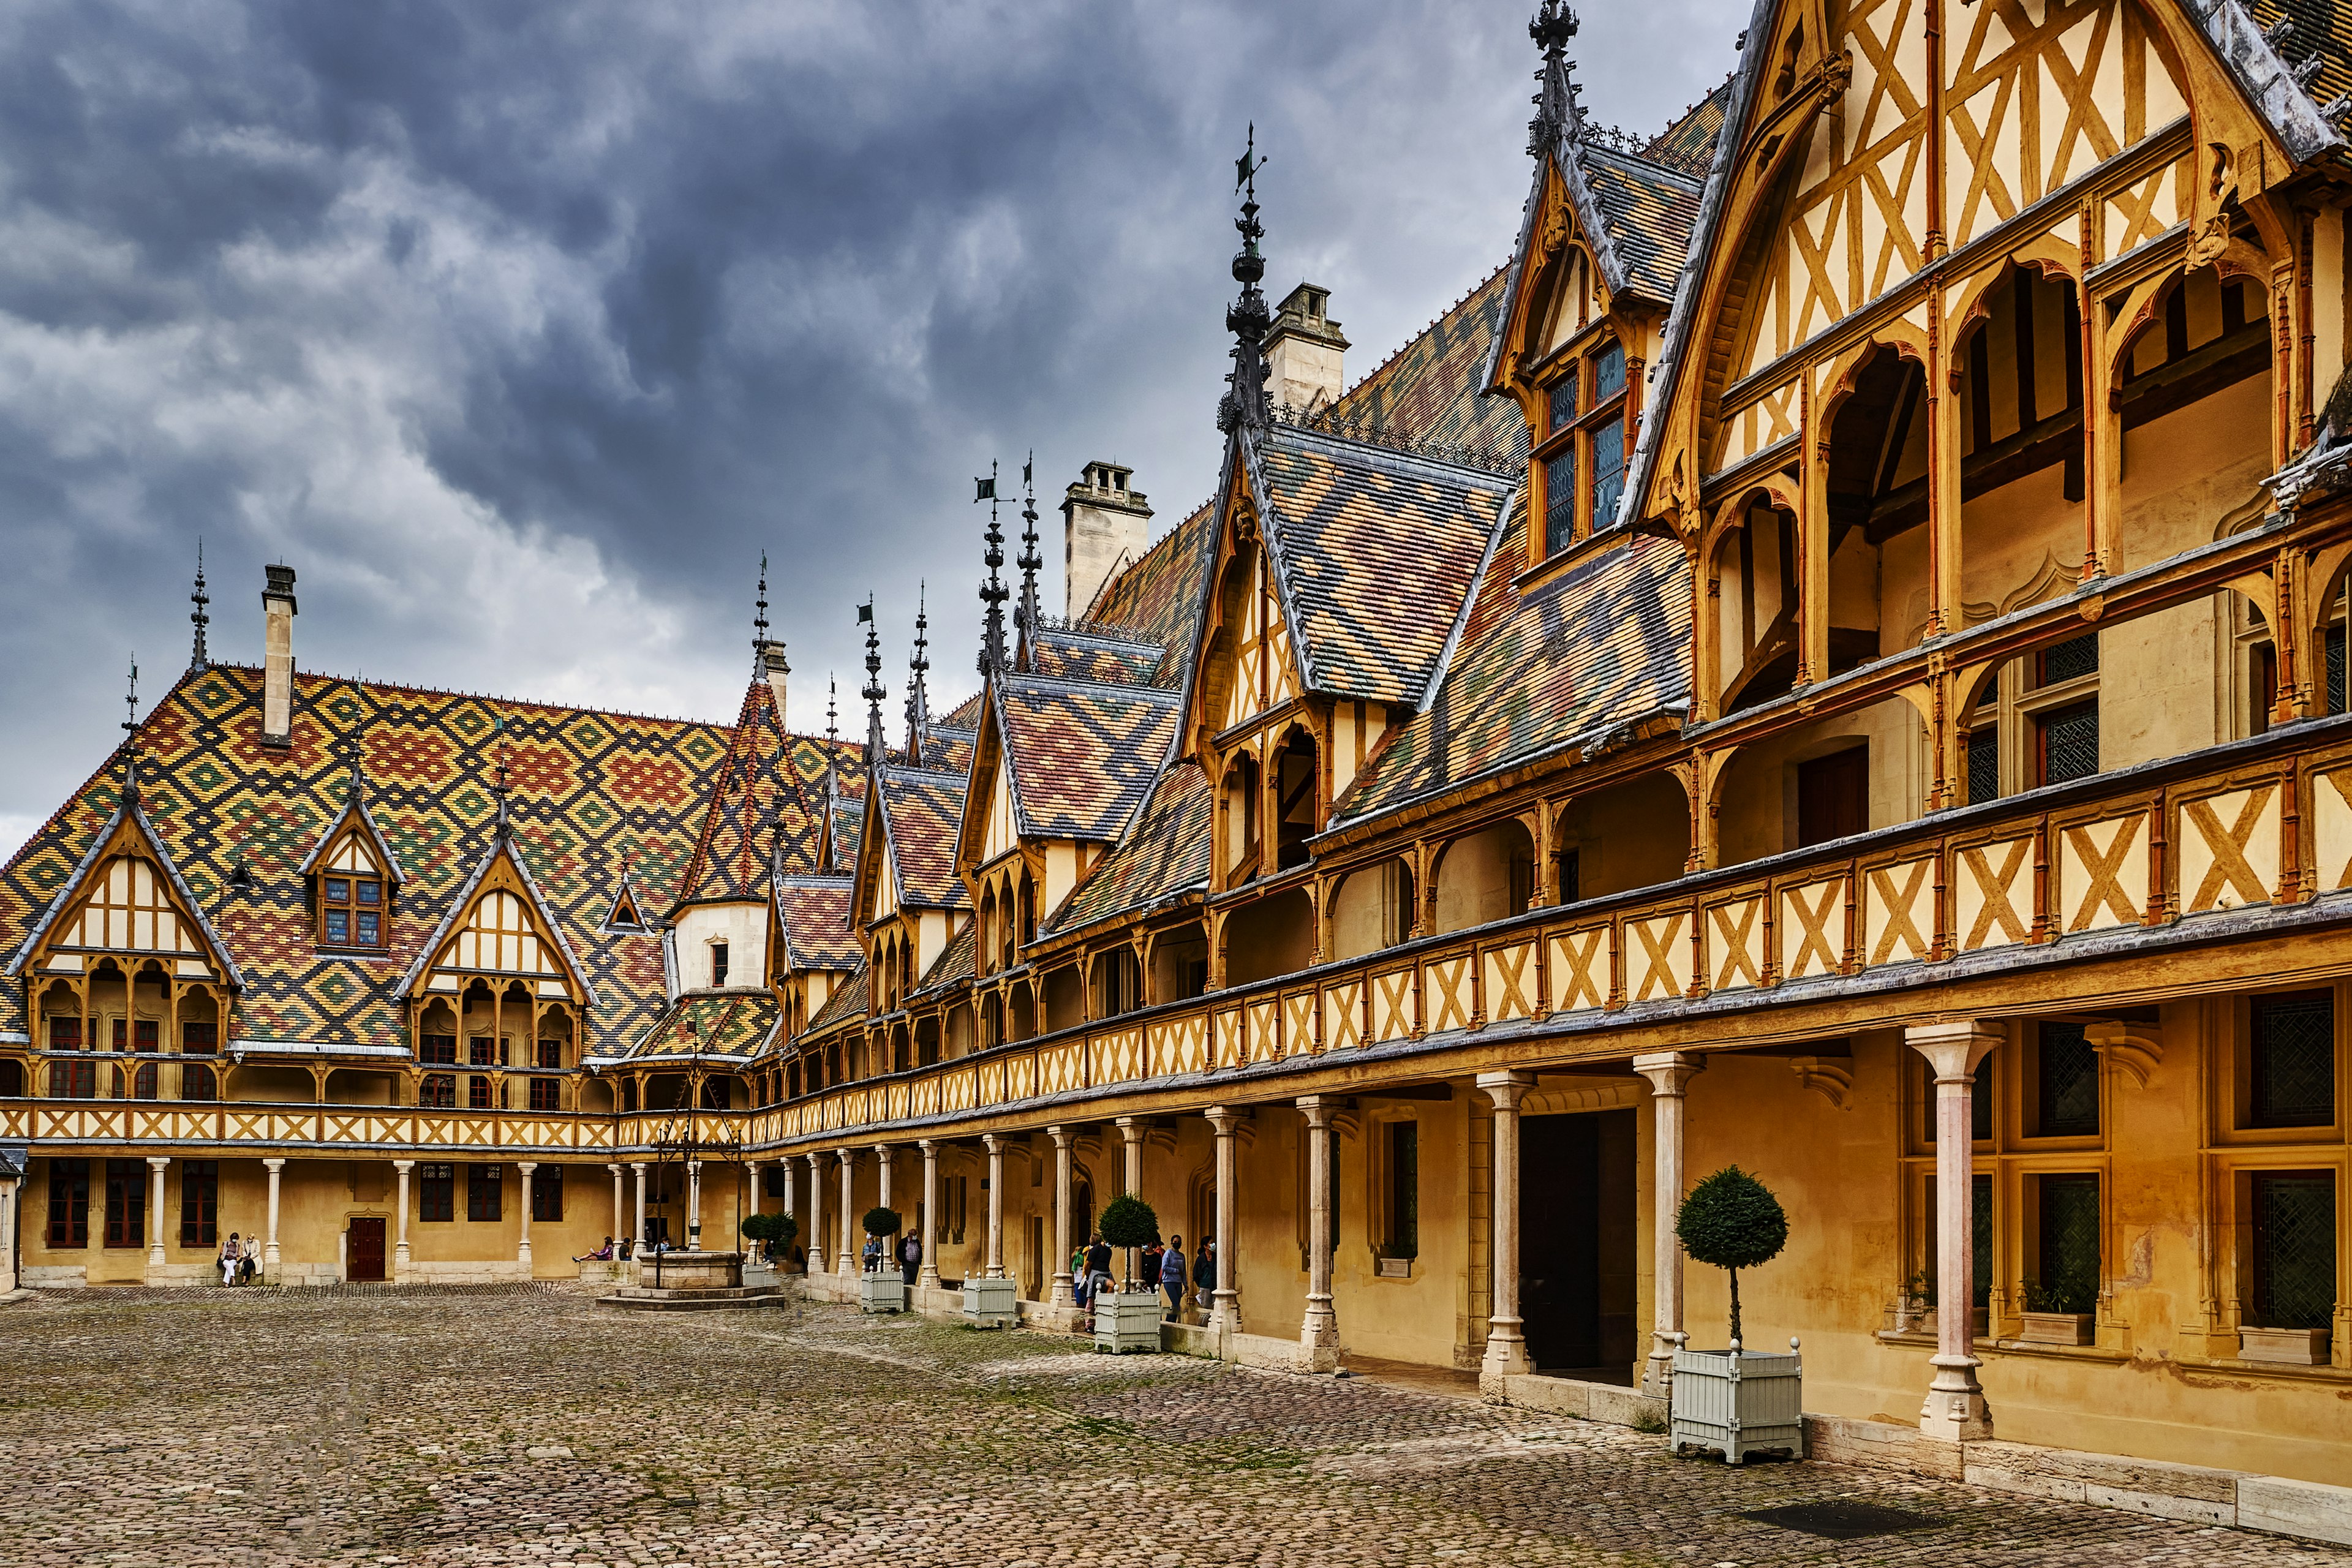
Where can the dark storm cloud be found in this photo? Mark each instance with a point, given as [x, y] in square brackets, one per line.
[521, 331]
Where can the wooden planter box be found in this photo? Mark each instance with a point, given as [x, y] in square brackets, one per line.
[881, 1292]
[1737, 1403]
[990, 1303]
[1128, 1321]
[2290, 1347]
[2056, 1327]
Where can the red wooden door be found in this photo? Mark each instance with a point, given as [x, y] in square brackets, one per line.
[366, 1253]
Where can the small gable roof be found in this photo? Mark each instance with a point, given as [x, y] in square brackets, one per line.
[129, 826]
[814, 912]
[921, 812]
[501, 851]
[1082, 757]
[768, 800]
[1166, 855]
[355, 808]
[848, 1001]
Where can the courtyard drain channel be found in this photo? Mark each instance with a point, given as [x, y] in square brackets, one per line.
[1843, 1521]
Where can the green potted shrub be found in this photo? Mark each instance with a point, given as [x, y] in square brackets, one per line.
[2059, 1310]
[773, 1232]
[1735, 1401]
[1128, 1319]
[880, 1289]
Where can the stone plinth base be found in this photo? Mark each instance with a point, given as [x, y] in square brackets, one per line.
[722, 1299]
[691, 1271]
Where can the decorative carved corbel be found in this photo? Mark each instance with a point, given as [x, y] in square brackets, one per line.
[1825, 1077]
[2134, 1048]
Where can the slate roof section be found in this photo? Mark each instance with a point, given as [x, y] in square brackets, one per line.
[1083, 757]
[770, 798]
[1429, 388]
[921, 814]
[591, 790]
[1165, 857]
[1576, 657]
[1650, 211]
[740, 1023]
[847, 1003]
[1688, 144]
[1376, 551]
[1068, 653]
[814, 913]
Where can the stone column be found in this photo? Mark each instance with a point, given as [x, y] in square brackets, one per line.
[1507, 1343]
[155, 1164]
[995, 1145]
[1318, 1332]
[1955, 1409]
[638, 1239]
[620, 1206]
[1061, 1294]
[522, 1247]
[1669, 1073]
[399, 1227]
[1225, 1311]
[816, 1215]
[882, 1175]
[270, 1247]
[928, 1279]
[10, 1186]
[846, 1257]
[1130, 1132]
[694, 1205]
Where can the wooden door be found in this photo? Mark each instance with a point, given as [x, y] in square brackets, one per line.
[365, 1257]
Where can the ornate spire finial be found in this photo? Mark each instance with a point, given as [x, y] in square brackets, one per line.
[1557, 112]
[131, 738]
[918, 696]
[993, 592]
[876, 752]
[499, 784]
[1248, 317]
[1026, 617]
[831, 709]
[201, 657]
[759, 625]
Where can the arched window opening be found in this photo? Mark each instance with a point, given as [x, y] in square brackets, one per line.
[1240, 809]
[1270, 937]
[1297, 790]
[1487, 875]
[1179, 964]
[1374, 909]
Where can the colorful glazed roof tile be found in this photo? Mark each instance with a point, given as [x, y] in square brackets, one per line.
[1649, 211]
[1376, 551]
[592, 791]
[769, 799]
[501, 847]
[1158, 599]
[1606, 644]
[1097, 656]
[845, 1005]
[814, 912]
[848, 826]
[1688, 144]
[1429, 388]
[1166, 855]
[1083, 758]
[954, 964]
[949, 749]
[733, 1024]
[921, 812]
[355, 806]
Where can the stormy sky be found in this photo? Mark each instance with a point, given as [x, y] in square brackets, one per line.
[521, 331]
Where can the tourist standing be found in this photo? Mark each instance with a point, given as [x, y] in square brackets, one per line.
[911, 1259]
[1171, 1278]
[1098, 1266]
[1204, 1274]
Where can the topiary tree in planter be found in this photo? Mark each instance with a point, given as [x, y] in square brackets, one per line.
[774, 1230]
[1129, 1223]
[1732, 1222]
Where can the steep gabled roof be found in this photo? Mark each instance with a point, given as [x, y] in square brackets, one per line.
[954, 964]
[1166, 855]
[1648, 211]
[1098, 656]
[1577, 656]
[1347, 525]
[815, 914]
[769, 798]
[501, 851]
[1082, 757]
[1428, 390]
[355, 807]
[127, 827]
[1158, 599]
[846, 1005]
[920, 812]
[733, 1026]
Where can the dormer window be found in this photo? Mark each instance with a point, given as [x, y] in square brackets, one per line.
[351, 912]
[717, 965]
[1582, 455]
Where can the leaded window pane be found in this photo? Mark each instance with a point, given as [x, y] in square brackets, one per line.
[2336, 703]
[339, 927]
[2293, 1047]
[1560, 403]
[2070, 660]
[1608, 470]
[1984, 765]
[2294, 1250]
[1559, 501]
[2069, 1247]
[2070, 743]
[2069, 1098]
[1608, 373]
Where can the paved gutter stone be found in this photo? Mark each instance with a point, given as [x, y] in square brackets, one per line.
[529, 1426]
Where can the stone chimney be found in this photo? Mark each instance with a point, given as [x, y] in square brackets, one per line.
[1304, 351]
[1105, 525]
[773, 664]
[277, 658]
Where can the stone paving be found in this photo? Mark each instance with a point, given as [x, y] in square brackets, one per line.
[521, 1425]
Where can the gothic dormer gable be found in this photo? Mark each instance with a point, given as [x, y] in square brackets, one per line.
[126, 896]
[1245, 665]
[500, 925]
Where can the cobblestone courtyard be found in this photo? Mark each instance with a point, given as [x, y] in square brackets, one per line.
[482, 1428]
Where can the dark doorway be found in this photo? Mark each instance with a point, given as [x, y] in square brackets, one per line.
[365, 1263]
[1576, 1244]
[1833, 796]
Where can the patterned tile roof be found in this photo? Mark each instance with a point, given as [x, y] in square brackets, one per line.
[815, 915]
[954, 965]
[846, 1005]
[1166, 854]
[921, 812]
[1083, 757]
[949, 749]
[591, 790]
[1159, 598]
[1650, 211]
[1429, 388]
[1351, 526]
[964, 715]
[770, 796]
[848, 825]
[710, 1024]
[1605, 644]
[1689, 143]
[1069, 654]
